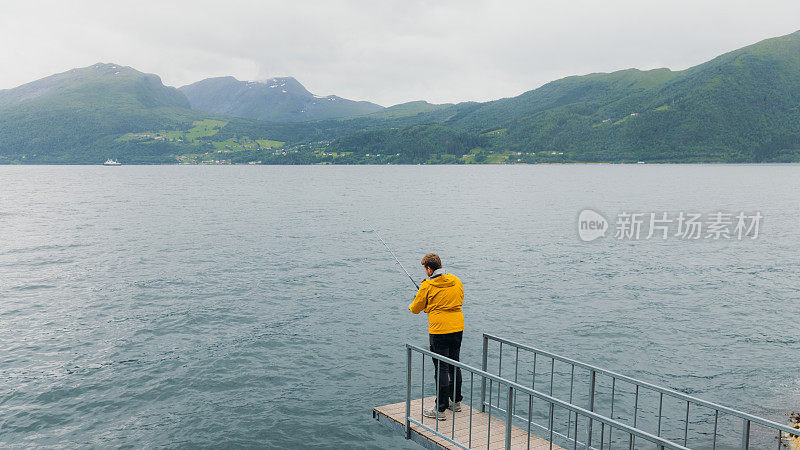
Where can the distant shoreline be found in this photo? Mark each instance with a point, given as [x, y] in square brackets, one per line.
[426, 164]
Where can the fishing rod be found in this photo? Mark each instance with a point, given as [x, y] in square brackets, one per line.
[395, 257]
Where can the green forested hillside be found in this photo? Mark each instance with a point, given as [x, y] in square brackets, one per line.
[76, 116]
[408, 109]
[418, 143]
[743, 106]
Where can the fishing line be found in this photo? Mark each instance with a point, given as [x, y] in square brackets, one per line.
[393, 255]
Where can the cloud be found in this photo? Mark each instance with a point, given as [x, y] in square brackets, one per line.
[383, 51]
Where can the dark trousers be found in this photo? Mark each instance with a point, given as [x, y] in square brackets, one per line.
[447, 379]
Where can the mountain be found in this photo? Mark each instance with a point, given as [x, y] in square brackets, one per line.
[93, 83]
[277, 99]
[589, 91]
[67, 116]
[408, 109]
[741, 106]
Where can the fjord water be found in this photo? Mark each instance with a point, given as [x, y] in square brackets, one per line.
[251, 306]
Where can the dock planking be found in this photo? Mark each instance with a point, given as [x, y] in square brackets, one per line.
[482, 437]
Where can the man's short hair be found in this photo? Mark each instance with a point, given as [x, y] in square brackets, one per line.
[432, 261]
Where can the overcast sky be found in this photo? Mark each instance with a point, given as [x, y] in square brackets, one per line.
[383, 51]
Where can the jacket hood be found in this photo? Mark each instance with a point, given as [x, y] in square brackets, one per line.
[443, 280]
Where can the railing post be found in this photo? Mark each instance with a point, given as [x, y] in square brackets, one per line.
[422, 391]
[660, 410]
[716, 418]
[571, 385]
[408, 392]
[484, 365]
[591, 408]
[575, 433]
[745, 434]
[508, 417]
[636, 414]
[552, 411]
[686, 426]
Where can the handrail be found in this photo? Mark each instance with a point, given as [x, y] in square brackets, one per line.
[549, 399]
[671, 392]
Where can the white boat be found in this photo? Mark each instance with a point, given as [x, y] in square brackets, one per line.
[111, 162]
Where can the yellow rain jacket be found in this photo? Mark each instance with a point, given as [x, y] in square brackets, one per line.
[441, 298]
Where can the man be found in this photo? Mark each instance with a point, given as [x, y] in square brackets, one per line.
[441, 296]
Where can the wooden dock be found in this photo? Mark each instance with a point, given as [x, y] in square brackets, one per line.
[393, 416]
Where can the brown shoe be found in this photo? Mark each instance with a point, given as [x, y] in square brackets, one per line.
[433, 413]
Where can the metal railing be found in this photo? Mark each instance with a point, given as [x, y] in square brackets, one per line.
[705, 409]
[513, 392]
